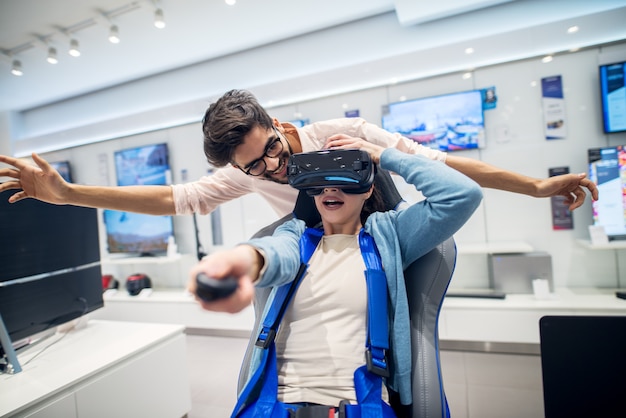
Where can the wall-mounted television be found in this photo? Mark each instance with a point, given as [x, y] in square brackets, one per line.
[136, 233]
[607, 169]
[49, 265]
[148, 164]
[64, 169]
[449, 122]
[613, 96]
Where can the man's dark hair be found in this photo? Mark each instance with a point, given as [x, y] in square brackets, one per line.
[227, 121]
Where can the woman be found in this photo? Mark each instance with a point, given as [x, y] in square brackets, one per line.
[321, 339]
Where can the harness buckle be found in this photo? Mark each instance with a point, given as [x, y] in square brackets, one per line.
[269, 338]
[376, 366]
[315, 411]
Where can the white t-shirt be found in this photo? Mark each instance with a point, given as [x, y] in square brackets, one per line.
[228, 183]
[321, 340]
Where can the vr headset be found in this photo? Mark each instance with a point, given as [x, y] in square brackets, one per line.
[351, 170]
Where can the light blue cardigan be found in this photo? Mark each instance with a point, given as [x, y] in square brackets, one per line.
[401, 237]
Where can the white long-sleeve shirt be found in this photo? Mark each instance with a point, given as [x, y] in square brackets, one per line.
[228, 183]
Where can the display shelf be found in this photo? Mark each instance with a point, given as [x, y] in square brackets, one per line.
[143, 260]
[611, 245]
[494, 247]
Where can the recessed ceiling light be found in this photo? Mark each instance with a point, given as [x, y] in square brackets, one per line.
[469, 50]
[52, 55]
[467, 76]
[114, 35]
[546, 59]
[572, 29]
[159, 21]
[16, 68]
[74, 48]
[230, 2]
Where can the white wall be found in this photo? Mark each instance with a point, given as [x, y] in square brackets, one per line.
[514, 140]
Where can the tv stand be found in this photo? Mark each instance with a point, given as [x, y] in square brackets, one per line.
[13, 364]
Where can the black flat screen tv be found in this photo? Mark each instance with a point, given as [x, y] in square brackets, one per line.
[607, 169]
[49, 265]
[613, 96]
[449, 122]
[148, 164]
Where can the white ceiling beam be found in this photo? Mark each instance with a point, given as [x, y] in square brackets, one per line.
[413, 12]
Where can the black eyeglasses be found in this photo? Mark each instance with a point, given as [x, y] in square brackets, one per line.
[272, 150]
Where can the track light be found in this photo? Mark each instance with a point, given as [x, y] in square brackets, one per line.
[16, 68]
[52, 55]
[159, 21]
[74, 48]
[114, 35]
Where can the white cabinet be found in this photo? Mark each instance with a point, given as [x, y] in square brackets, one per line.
[106, 369]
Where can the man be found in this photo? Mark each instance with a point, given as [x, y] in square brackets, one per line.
[239, 132]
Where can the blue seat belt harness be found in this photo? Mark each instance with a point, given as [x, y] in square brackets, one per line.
[259, 397]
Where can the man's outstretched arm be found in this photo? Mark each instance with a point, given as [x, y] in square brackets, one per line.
[42, 182]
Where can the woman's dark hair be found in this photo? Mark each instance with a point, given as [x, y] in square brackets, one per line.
[226, 123]
[375, 203]
[384, 197]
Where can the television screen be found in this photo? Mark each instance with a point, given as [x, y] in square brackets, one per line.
[613, 95]
[449, 122]
[607, 169]
[143, 165]
[129, 232]
[63, 167]
[49, 265]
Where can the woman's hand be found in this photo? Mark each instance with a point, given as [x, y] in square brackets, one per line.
[243, 263]
[341, 141]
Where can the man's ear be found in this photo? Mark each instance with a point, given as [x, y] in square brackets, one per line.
[277, 123]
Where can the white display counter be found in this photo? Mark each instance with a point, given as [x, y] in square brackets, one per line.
[103, 369]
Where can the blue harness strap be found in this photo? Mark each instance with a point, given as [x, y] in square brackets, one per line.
[259, 397]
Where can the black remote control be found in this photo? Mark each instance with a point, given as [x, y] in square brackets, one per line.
[209, 289]
[621, 294]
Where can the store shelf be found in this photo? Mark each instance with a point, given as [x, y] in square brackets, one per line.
[495, 247]
[611, 245]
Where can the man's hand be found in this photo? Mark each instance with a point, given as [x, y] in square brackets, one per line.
[572, 186]
[41, 181]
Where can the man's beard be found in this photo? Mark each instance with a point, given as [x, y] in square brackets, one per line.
[283, 161]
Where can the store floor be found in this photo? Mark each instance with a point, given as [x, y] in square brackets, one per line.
[214, 364]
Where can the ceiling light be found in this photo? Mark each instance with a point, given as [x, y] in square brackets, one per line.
[467, 76]
[230, 2]
[16, 68]
[469, 50]
[546, 59]
[74, 49]
[114, 35]
[52, 55]
[572, 29]
[159, 21]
